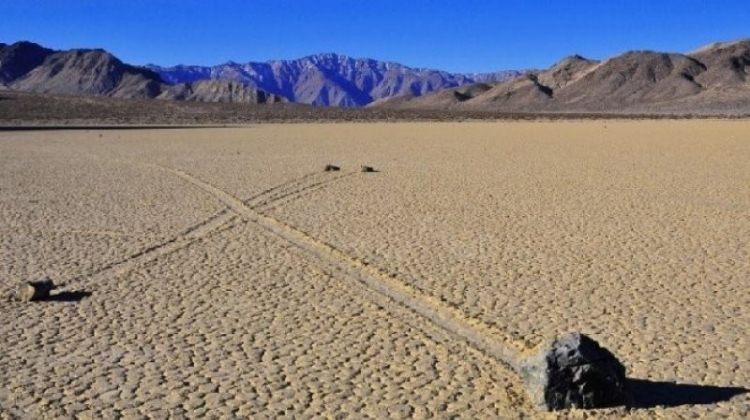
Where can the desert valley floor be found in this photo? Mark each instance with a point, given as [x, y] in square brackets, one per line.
[222, 271]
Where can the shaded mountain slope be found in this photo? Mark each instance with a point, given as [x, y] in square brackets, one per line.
[727, 65]
[20, 58]
[634, 78]
[92, 72]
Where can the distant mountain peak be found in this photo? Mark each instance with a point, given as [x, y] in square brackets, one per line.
[574, 57]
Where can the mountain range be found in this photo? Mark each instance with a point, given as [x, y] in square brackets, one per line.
[322, 79]
[330, 79]
[714, 79]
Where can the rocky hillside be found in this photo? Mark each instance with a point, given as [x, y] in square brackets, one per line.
[89, 72]
[330, 79]
[218, 91]
[714, 79]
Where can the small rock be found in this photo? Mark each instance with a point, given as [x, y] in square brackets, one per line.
[368, 169]
[332, 168]
[36, 290]
[574, 371]
[10, 297]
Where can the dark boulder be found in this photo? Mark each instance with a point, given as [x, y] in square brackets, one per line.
[574, 371]
[36, 290]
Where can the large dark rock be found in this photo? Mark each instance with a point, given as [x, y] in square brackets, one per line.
[574, 371]
[36, 290]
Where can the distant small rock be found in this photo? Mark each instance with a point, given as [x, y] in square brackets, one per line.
[574, 371]
[36, 290]
[368, 169]
[332, 168]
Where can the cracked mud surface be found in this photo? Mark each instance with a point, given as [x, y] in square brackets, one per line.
[635, 233]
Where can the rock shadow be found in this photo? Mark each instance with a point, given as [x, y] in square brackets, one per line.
[74, 296]
[649, 394]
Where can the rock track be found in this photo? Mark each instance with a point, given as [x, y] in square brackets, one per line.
[440, 324]
[500, 346]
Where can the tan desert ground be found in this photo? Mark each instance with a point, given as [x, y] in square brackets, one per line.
[221, 271]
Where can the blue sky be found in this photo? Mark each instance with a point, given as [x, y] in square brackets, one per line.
[451, 35]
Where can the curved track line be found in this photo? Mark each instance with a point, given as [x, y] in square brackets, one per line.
[280, 200]
[182, 240]
[500, 346]
[278, 189]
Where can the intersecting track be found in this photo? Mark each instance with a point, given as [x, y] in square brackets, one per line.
[218, 222]
[492, 342]
[496, 344]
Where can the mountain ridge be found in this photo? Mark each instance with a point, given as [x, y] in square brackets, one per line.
[712, 79]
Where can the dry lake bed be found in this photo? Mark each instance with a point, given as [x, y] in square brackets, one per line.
[221, 271]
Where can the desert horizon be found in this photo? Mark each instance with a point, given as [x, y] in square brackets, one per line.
[708, 81]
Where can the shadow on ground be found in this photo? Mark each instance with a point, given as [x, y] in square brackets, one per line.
[648, 394]
[73, 296]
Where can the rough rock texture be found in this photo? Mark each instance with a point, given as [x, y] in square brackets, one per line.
[36, 290]
[574, 371]
[224, 91]
[495, 77]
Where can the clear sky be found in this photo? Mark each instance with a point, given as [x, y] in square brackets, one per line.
[456, 35]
